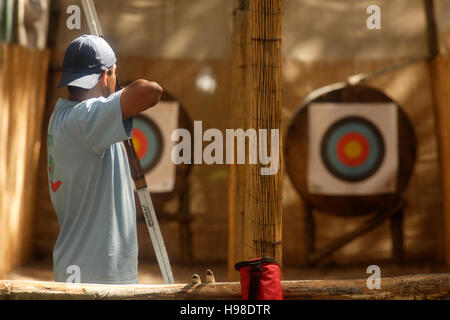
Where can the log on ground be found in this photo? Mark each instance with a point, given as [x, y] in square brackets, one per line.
[425, 286]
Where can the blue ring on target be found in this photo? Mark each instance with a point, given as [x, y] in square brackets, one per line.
[150, 136]
[336, 132]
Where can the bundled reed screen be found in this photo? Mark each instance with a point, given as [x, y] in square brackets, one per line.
[262, 214]
[23, 83]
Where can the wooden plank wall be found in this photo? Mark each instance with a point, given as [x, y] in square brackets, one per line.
[23, 81]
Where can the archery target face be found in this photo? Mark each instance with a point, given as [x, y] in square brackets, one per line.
[147, 141]
[151, 134]
[353, 148]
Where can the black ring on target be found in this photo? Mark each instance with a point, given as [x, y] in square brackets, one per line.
[366, 159]
[148, 141]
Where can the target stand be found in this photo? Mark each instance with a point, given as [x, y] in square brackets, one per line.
[350, 151]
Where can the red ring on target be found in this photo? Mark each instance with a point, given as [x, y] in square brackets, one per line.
[139, 137]
[341, 148]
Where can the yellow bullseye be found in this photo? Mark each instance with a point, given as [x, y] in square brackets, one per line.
[353, 149]
[136, 144]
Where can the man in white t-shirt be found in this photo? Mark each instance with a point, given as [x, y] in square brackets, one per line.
[89, 176]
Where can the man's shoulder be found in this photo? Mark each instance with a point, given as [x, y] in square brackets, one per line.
[63, 103]
[69, 109]
[65, 118]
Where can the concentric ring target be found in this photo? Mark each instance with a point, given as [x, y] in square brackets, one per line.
[352, 149]
[147, 141]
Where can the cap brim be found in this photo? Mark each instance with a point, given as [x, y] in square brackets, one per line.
[81, 80]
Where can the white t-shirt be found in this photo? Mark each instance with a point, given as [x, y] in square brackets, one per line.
[92, 192]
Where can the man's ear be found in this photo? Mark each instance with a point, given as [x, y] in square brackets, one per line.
[103, 78]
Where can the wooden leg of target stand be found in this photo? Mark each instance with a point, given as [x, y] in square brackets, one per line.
[369, 225]
[397, 237]
[308, 232]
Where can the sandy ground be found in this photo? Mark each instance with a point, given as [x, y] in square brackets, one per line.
[149, 272]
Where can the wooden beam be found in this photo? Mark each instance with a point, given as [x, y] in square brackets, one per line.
[432, 29]
[240, 108]
[440, 80]
[430, 286]
[439, 66]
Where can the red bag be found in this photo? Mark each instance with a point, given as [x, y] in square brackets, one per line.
[260, 279]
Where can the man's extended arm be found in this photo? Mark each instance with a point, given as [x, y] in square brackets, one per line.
[139, 96]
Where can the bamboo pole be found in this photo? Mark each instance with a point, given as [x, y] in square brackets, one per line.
[412, 287]
[262, 219]
[240, 106]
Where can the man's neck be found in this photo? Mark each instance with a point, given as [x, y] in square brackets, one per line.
[85, 95]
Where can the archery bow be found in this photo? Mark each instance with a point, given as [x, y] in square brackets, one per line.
[136, 171]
